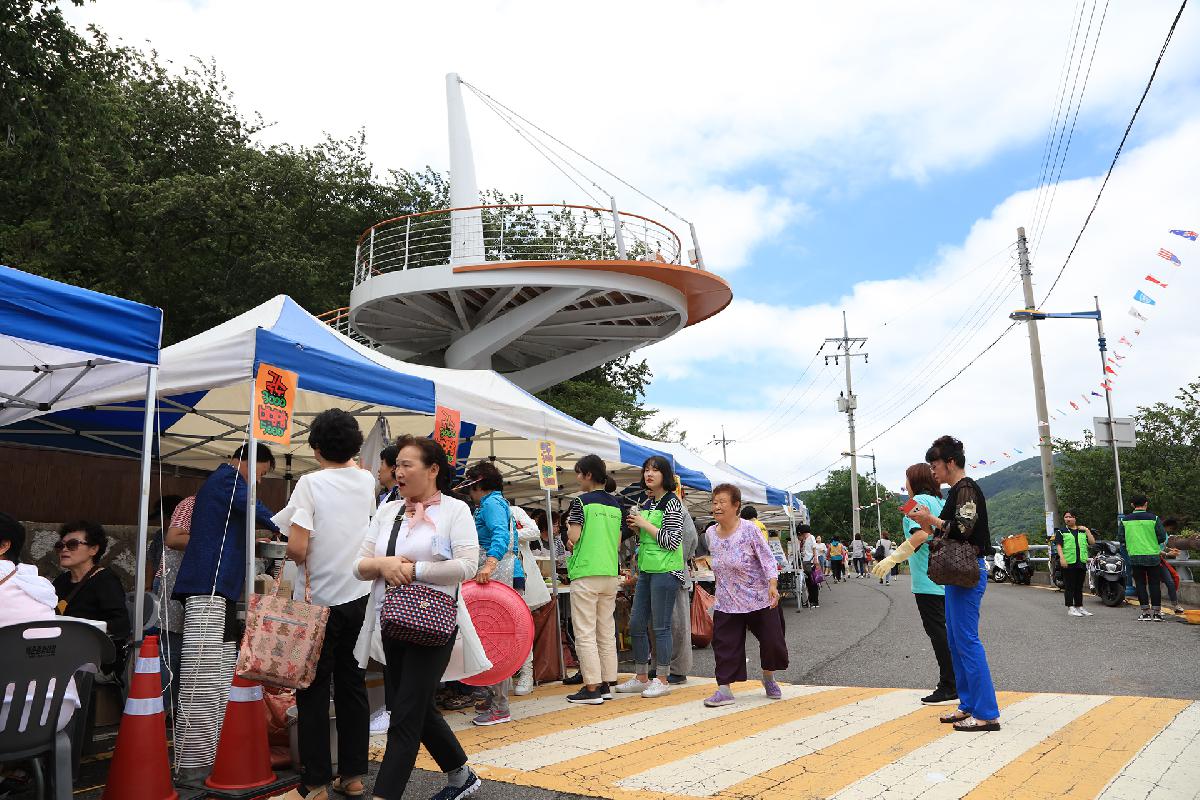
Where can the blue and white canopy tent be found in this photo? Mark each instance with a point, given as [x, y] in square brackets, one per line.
[59, 343]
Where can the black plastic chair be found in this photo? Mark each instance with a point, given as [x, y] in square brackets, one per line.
[37, 661]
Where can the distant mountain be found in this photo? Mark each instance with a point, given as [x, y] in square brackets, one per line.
[1014, 499]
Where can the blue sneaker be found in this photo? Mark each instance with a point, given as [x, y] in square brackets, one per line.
[466, 790]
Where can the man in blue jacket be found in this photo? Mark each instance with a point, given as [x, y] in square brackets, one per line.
[210, 582]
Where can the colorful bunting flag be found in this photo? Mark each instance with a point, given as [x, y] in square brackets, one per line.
[1133, 312]
[1097, 394]
[1109, 370]
[1186, 234]
[1074, 405]
[1086, 399]
[1169, 256]
[1119, 356]
[1153, 279]
[1126, 342]
[1137, 331]
[1107, 385]
[1006, 455]
[1142, 297]
[1015, 450]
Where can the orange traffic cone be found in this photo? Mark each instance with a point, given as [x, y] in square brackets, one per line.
[243, 754]
[140, 767]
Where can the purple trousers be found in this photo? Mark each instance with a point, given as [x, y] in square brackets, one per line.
[729, 642]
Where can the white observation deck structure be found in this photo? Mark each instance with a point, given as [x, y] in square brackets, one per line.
[539, 292]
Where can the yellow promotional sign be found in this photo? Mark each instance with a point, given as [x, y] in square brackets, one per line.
[274, 404]
[547, 467]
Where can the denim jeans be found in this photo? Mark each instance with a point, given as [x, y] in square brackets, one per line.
[653, 602]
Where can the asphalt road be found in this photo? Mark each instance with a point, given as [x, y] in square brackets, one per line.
[865, 634]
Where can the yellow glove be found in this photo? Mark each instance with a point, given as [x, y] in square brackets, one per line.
[899, 555]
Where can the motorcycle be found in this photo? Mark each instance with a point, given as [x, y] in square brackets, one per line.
[1020, 568]
[997, 573]
[1106, 573]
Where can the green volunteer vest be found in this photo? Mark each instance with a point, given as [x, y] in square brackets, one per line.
[651, 557]
[1140, 537]
[1074, 547]
[596, 551]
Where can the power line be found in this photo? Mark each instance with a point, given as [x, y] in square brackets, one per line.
[1038, 231]
[750, 436]
[1153, 73]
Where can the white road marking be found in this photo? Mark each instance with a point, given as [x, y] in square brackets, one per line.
[967, 759]
[712, 771]
[1167, 768]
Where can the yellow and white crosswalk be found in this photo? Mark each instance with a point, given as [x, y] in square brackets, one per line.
[841, 742]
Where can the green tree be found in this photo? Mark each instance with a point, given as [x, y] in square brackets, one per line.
[830, 508]
[1165, 466]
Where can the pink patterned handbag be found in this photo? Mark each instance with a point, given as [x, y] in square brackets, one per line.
[283, 639]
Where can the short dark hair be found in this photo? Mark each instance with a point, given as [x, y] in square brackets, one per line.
[486, 475]
[594, 467]
[803, 529]
[432, 455]
[749, 512]
[947, 448]
[1139, 499]
[390, 453]
[335, 434]
[734, 494]
[93, 534]
[12, 532]
[610, 485]
[663, 466]
[262, 454]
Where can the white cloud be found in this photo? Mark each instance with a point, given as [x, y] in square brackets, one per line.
[759, 349]
[677, 97]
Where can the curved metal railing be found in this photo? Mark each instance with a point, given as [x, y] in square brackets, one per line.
[511, 232]
[339, 320]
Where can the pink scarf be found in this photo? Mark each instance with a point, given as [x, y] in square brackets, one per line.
[417, 515]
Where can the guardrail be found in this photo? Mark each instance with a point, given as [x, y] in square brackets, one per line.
[1191, 565]
[513, 232]
[339, 320]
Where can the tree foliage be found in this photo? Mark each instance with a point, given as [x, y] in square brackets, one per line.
[1165, 466]
[830, 508]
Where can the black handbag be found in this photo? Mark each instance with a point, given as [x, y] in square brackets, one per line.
[953, 562]
[414, 613]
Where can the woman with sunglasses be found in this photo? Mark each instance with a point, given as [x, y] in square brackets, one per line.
[964, 518]
[89, 591]
[660, 573]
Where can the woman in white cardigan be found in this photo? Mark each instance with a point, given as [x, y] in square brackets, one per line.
[435, 546]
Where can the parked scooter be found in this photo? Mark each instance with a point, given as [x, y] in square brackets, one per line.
[997, 572]
[1020, 568]
[1106, 573]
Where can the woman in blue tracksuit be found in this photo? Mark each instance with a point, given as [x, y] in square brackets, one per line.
[497, 539]
[963, 518]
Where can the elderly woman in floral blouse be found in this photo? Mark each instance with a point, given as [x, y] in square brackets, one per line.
[747, 598]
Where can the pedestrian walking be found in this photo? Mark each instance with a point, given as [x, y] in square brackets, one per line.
[496, 529]
[810, 562]
[963, 518]
[1071, 545]
[858, 555]
[594, 521]
[919, 484]
[660, 571]
[325, 519]
[837, 560]
[747, 599]
[428, 539]
[822, 553]
[1143, 535]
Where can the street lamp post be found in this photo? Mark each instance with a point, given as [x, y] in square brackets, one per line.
[1027, 314]
[875, 480]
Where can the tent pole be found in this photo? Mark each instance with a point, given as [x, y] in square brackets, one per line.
[794, 552]
[562, 669]
[139, 611]
[251, 501]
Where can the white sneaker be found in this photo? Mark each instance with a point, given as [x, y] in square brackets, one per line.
[656, 688]
[1074, 612]
[631, 686]
[381, 721]
[524, 683]
[1085, 612]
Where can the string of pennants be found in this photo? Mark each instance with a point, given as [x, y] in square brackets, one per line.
[1143, 303]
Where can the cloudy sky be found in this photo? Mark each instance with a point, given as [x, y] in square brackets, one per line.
[872, 159]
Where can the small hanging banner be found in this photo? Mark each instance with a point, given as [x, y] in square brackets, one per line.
[446, 423]
[1169, 256]
[547, 467]
[1142, 297]
[274, 404]
[1186, 234]
[1153, 279]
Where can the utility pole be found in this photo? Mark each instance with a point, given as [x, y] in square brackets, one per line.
[875, 480]
[847, 403]
[1112, 428]
[1039, 392]
[723, 442]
